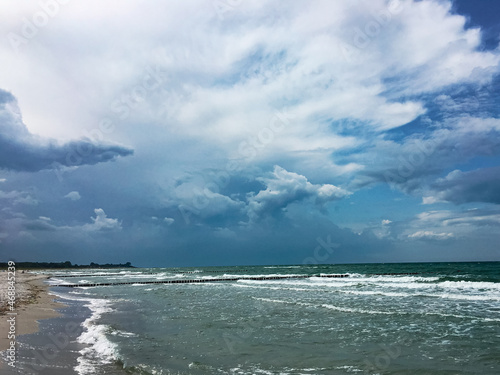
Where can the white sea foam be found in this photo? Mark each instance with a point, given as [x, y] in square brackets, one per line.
[55, 281]
[468, 317]
[376, 312]
[239, 285]
[394, 279]
[376, 293]
[471, 291]
[99, 350]
[349, 368]
[261, 275]
[459, 290]
[70, 295]
[310, 282]
[466, 297]
[253, 371]
[286, 371]
[471, 285]
[122, 333]
[78, 292]
[327, 306]
[132, 276]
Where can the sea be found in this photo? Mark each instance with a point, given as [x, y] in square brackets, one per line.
[415, 318]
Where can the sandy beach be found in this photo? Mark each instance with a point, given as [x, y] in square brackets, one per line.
[33, 303]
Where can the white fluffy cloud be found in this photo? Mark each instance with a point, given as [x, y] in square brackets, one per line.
[169, 220]
[284, 188]
[447, 224]
[73, 195]
[430, 235]
[323, 62]
[102, 222]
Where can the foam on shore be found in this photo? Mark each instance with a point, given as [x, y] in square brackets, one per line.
[99, 350]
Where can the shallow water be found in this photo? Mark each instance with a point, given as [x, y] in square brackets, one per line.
[443, 320]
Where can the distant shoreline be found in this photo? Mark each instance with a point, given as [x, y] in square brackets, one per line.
[64, 265]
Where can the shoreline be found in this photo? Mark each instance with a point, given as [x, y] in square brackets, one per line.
[33, 303]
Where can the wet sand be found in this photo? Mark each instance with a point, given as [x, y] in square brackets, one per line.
[33, 303]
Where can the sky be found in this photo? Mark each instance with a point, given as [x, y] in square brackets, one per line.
[234, 132]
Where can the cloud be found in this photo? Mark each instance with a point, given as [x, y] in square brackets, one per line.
[341, 95]
[18, 225]
[168, 220]
[489, 219]
[429, 235]
[284, 188]
[382, 230]
[444, 224]
[224, 88]
[319, 88]
[102, 223]
[15, 197]
[225, 233]
[413, 163]
[480, 185]
[22, 151]
[199, 195]
[476, 217]
[73, 195]
[40, 224]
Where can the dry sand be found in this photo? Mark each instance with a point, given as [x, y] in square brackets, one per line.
[33, 303]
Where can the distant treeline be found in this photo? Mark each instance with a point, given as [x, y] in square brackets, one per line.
[25, 265]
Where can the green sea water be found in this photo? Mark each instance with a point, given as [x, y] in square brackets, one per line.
[419, 318]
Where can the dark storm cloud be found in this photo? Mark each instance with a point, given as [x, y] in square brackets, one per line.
[22, 151]
[39, 225]
[413, 163]
[481, 185]
[30, 157]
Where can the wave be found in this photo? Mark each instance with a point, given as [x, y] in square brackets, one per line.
[328, 306]
[471, 285]
[338, 288]
[376, 312]
[55, 281]
[270, 287]
[99, 350]
[397, 279]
